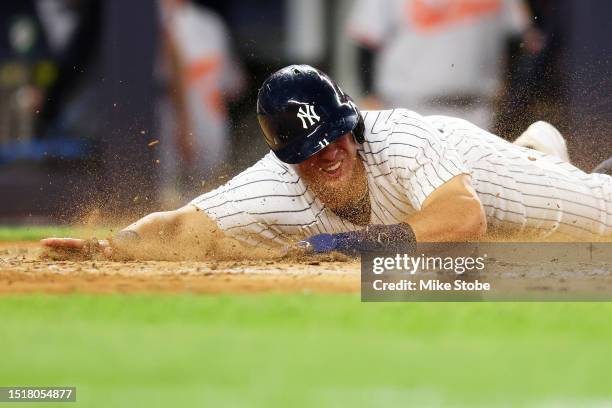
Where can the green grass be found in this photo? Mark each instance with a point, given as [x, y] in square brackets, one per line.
[34, 233]
[306, 350]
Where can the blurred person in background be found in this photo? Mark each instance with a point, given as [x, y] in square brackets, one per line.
[46, 50]
[73, 29]
[533, 87]
[567, 82]
[23, 53]
[199, 74]
[436, 56]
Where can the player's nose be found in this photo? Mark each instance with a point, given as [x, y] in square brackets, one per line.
[330, 153]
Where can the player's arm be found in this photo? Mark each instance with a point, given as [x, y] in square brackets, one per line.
[173, 234]
[452, 213]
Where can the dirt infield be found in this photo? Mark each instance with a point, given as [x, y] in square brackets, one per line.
[23, 270]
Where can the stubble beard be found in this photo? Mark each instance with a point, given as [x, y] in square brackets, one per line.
[343, 194]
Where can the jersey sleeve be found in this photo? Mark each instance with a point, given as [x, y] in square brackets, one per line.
[242, 207]
[369, 22]
[421, 159]
[221, 206]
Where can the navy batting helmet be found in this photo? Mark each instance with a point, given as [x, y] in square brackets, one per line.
[301, 111]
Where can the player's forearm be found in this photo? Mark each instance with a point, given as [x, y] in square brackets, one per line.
[461, 219]
[148, 234]
[182, 233]
[156, 225]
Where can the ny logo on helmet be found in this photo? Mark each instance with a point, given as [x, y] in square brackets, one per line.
[308, 112]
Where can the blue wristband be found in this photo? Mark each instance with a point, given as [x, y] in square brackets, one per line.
[374, 238]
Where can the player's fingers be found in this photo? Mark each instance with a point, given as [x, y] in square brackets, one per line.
[73, 243]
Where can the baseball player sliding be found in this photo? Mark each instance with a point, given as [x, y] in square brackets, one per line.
[338, 179]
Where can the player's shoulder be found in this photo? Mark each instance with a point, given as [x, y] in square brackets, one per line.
[393, 133]
[267, 175]
[381, 123]
[386, 125]
[270, 165]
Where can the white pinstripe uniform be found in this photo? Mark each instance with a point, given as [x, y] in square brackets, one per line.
[407, 157]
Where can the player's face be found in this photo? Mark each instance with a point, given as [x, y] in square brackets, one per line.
[336, 172]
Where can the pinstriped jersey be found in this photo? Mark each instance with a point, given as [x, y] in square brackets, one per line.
[528, 191]
[407, 157]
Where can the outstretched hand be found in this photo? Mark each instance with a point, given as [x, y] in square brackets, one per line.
[82, 247]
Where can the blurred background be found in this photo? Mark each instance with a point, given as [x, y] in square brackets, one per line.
[115, 108]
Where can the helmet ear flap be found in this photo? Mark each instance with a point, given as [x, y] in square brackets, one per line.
[358, 132]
